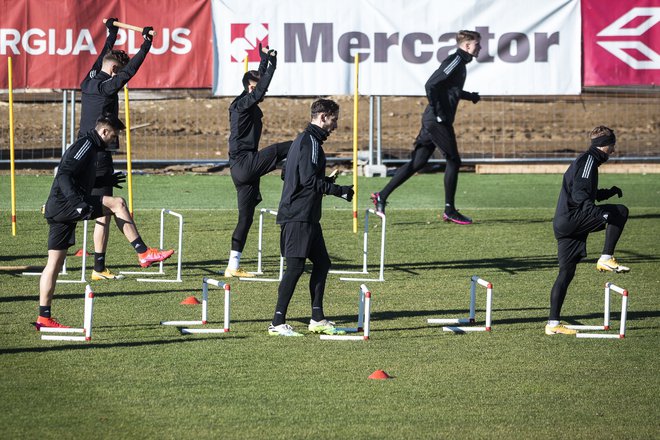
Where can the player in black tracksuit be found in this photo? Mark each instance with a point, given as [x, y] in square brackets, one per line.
[71, 201]
[100, 87]
[444, 90]
[299, 215]
[577, 215]
[247, 163]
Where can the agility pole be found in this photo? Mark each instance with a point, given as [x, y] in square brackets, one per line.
[356, 96]
[129, 163]
[12, 157]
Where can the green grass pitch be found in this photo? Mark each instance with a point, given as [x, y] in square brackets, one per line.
[137, 379]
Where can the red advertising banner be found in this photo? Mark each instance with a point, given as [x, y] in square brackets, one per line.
[54, 43]
[621, 42]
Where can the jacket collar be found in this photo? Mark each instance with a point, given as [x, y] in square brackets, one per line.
[317, 132]
[600, 156]
[96, 139]
[464, 55]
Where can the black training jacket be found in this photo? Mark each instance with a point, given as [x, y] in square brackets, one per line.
[99, 89]
[304, 179]
[445, 87]
[76, 174]
[245, 115]
[579, 190]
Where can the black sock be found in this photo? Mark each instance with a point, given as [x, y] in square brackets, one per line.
[44, 311]
[99, 261]
[139, 245]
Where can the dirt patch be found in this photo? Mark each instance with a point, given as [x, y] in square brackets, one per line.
[191, 125]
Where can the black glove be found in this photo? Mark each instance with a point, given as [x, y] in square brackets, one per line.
[145, 33]
[474, 97]
[272, 57]
[332, 178]
[117, 178]
[110, 24]
[604, 194]
[615, 190]
[263, 55]
[345, 192]
[84, 210]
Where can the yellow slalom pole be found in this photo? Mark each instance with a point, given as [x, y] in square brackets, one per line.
[355, 145]
[129, 164]
[11, 146]
[246, 63]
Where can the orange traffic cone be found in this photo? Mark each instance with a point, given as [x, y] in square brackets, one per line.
[380, 375]
[80, 253]
[190, 300]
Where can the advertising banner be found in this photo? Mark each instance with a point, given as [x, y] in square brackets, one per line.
[54, 43]
[621, 42]
[529, 47]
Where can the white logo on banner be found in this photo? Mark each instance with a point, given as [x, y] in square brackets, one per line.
[618, 48]
[247, 41]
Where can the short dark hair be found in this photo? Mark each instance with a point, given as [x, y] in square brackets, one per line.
[111, 121]
[599, 131]
[324, 106]
[465, 35]
[117, 56]
[250, 76]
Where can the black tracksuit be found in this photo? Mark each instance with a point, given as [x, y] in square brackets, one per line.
[577, 215]
[100, 95]
[72, 189]
[299, 214]
[444, 90]
[247, 163]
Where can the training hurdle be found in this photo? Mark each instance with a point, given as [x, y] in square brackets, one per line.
[179, 253]
[364, 320]
[365, 251]
[205, 299]
[606, 317]
[86, 328]
[63, 271]
[259, 270]
[471, 319]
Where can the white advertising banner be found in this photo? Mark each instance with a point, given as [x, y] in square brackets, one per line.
[529, 47]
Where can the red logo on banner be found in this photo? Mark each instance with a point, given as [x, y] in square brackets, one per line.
[245, 39]
[621, 42]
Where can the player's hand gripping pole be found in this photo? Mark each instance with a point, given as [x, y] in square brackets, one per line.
[130, 27]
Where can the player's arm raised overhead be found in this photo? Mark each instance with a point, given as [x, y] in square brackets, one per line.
[259, 92]
[115, 84]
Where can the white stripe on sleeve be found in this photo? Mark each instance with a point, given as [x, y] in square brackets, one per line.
[82, 151]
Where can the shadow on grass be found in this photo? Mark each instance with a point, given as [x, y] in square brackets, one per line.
[93, 345]
[509, 265]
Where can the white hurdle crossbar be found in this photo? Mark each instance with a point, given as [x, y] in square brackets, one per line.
[179, 252]
[205, 299]
[606, 317]
[365, 251]
[86, 328]
[364, 320]
[259, 270]
[63, 271]
[471, 319]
